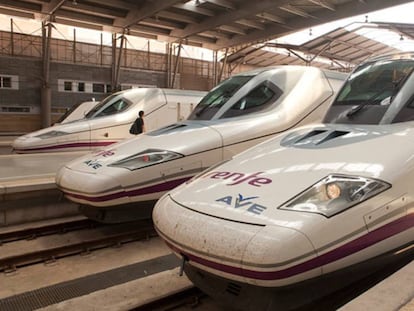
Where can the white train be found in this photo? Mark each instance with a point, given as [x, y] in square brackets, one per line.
[239, 113]
[309, 210]
[109, 121]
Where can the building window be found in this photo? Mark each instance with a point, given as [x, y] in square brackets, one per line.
[14, 109]
[67, 86]
[98, 88]
[6, 82]
[81, 87]
[9, 82]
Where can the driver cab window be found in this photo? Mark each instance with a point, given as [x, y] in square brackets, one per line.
[115, 107]
[258, 99]
[111, 105]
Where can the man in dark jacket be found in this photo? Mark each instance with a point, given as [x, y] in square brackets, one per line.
[138, 126]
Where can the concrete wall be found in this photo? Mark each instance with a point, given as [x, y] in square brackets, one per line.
[29, 74]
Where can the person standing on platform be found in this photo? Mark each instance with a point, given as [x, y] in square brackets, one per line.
[138, 126]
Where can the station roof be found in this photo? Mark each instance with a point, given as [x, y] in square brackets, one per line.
[214, 24]
[341, 48]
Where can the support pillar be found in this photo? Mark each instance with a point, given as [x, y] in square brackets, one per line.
[177, 60]
[45, 93]
[116, 63]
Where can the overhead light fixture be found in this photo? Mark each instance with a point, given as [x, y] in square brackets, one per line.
[197, 2]
[74, 2]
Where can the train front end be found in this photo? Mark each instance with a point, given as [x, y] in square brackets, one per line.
[307, 212]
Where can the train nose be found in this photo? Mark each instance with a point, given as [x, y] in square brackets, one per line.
[265, 255]
[91, 189]
[24, 142]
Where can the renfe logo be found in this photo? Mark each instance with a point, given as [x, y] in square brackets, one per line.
[238, 178]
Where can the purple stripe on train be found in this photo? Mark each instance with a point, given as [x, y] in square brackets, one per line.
[71, 145]
[131, 193]
[350, 248]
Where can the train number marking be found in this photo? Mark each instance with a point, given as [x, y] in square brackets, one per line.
[240, 201]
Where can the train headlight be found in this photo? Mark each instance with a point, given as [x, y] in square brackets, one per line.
[51, 134]
[146, 158]
[335, 193]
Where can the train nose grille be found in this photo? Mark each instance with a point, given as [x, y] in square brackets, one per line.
[233, 289]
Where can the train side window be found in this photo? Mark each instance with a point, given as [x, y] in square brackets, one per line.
[258, 99]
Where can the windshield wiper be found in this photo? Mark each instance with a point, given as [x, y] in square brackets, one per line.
[354, 110]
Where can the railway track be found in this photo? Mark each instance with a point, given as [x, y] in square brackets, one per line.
[83, 240]
[48, 229]
[194, 299]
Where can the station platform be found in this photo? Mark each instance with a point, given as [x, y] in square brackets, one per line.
[21, 172]
[28, 190]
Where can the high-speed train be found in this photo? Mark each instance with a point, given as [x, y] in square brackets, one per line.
[309, 210]
[240, 112]
[109, 121]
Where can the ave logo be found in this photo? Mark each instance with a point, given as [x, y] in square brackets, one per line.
[243, 202]
[93, 163]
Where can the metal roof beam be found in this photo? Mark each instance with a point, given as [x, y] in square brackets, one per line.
[223, 3]
[160, 23]
[322, 16]
[116, 4]
[323, 4]
[296, 11]
[95, 10]
[248, 8]
[193, 8]
[250, 23]
[25, 6]
[271, 17]
[177, 17]
[149, 9]
[51, 7]
[232, 29]
[12, 12]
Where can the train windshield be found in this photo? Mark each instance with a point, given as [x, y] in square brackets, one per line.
[217, 97]
[369, 96]
[111, 105]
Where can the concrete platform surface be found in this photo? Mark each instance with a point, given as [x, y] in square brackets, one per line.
[394, 293]
[22, 166]
[29, 172]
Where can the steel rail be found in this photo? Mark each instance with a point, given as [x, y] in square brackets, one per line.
[11, 263]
